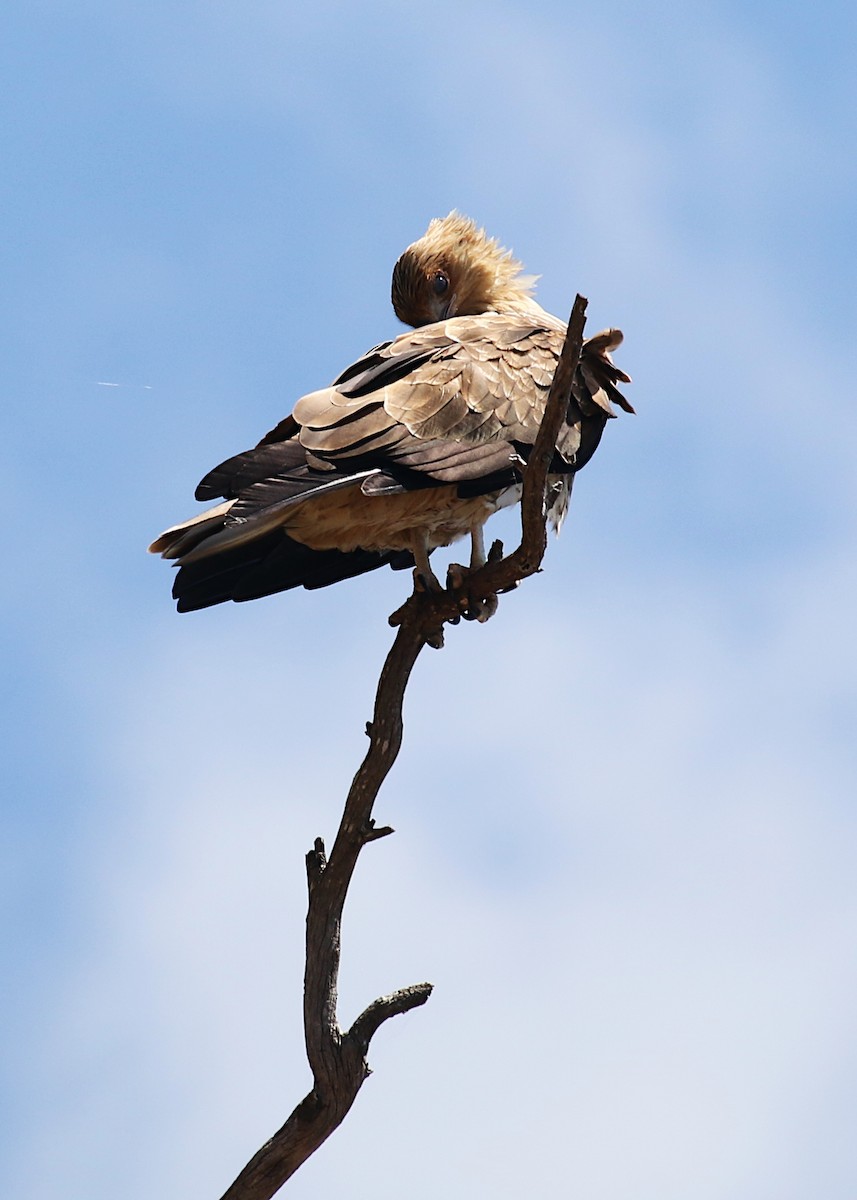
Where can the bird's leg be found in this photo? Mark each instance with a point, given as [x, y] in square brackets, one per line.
[456, 573]
[474, 608]
[423, 574]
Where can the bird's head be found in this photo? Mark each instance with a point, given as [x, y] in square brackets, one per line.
[456, 270]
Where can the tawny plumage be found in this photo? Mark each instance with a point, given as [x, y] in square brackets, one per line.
[412, 447]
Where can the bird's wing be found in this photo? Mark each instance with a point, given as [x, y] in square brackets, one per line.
[457, 402]
[459, 399]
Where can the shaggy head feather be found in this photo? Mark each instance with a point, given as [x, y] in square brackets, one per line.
[456, 270]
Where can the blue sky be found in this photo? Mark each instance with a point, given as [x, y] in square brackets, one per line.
[625, 807]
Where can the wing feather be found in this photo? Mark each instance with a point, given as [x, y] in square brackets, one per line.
[469, 379]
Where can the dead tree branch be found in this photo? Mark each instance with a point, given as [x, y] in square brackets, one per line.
[337, 1059]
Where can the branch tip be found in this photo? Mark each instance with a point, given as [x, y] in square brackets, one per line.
[372, 833]
[316, 861]
[380, 1010]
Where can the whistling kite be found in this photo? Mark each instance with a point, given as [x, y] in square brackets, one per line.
[413, 446]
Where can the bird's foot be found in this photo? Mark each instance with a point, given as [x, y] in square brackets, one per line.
[456, 574]
[425, 580]
[481, 610]
[473, 607]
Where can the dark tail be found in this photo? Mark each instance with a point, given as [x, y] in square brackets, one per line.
[271, 563]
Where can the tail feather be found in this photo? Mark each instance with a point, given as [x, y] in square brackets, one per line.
[181, 539]
[272, 563]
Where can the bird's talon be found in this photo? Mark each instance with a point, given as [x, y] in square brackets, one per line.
[481, 610]
[489, 607]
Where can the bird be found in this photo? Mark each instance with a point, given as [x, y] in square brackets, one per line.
[413, 446]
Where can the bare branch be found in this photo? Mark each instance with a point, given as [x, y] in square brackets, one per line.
[337, 1059]
[371, 1019]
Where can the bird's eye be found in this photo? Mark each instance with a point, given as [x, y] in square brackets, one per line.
[439, 283]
